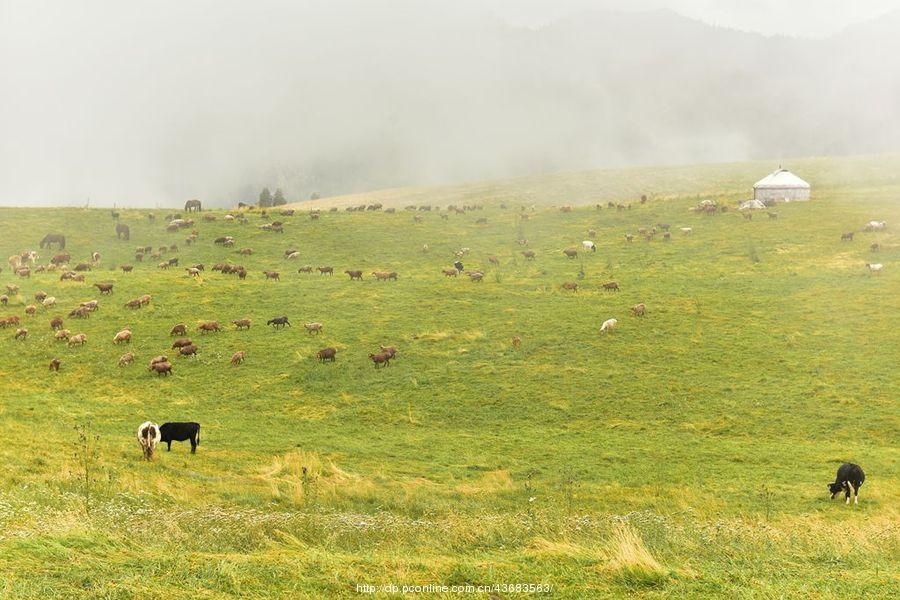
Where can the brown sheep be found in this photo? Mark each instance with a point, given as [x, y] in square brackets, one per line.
[21, 333]
[571, 252]
[629, 237]
[136, 303]
[313, 328]
[77, 340]
[208, 326]
[237, 358]
[592, 233]
[54, 365]
[528, 254]
[516, 342]
[570, 285]
[639, 310]
[158, 359]
[384, 275]
[82, 312]
[30, 310]
[105, 288]
[4, 299]
[611, 285]
[476, 276]
[272, 275]
[12, 289]
[126, 359]
[382, 359]
[56, 323]
[242, 323]
[179, 329]
[161, 368]
[245, 251]
[145, 299]
[181, 343]
[326, 354]
[355, 275]
[123, 336]
[189, 350]
[62, 335]
[325, 270]
[305, 269]
[449, 272]
[874, 247]
[389, 350]
[847, 237]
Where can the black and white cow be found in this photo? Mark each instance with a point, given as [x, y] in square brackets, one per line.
[180, 432]
[849, 479]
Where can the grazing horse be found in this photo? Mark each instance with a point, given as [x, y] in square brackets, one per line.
[123, 232]
[54, 238]
[192, 205]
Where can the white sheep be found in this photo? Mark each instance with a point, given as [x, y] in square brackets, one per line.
[589, 245]
[608, 325]
[875, 267]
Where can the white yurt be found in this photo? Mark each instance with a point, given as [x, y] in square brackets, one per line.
[780, 186]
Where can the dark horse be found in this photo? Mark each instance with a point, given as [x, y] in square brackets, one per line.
[54, 238]
[192, 205]
[123, 231]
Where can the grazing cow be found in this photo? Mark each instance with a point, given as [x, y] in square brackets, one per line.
[161, 368]
[326, 354]
[570, 285]
[611, 285]
[123, 232]
[78, 339]
[355, 275]
[181, 343]
[148, 437]
[382, 359]
[639, 310]
[278, 322]
[237, 358]
[123, 336]
[21, 333]
[528, 254]
[313, 328]
[272, 275]
[208, 326]
[589, 245]
[54, 365]
[449, 272]
[608, 325]
[325, 270]
[847, 237]
[241, 323]
[849, 479]
[105, 288]
[875, 267]
[126, 359]
[180, 432]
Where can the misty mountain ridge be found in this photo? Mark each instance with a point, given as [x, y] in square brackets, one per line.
[340, 102]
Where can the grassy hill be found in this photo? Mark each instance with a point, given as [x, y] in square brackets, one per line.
[684, 454]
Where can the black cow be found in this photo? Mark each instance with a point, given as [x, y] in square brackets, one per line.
[849, 479]
[180, 432]
[278, 321]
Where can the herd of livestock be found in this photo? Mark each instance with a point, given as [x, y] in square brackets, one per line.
[25, 263]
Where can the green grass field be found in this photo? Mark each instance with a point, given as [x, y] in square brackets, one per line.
[685, 454]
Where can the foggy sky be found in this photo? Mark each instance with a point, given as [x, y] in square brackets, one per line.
[154, 102]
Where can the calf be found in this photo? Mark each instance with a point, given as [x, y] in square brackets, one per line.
[180, 432]
[849, 479]
[148, 437]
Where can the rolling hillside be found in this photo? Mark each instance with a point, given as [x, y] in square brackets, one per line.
[684, 454]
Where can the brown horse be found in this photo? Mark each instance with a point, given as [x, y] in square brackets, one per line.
[54, 238]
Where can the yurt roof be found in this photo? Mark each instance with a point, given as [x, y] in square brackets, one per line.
[782, 178]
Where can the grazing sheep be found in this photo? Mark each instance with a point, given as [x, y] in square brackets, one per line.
[56, 323]
[516, 342]
[313, 328]
[123, 336]
[874, 247]
[325, 270]
[449, 272]
[592, 233]
[772, 215]
[382, 359]
[639, 310]
[847, 237]
[208, 326]
[148, 436]
[875, 226]
[589, 245]
[611, 285]
[279, 322]
[12, 289]
[305, 269]
[293, 255]
[189, 350]
[158, 359]
[126, 268]
[179, 329]
[494, 260]
[629, 237]
[126, 359]
[105, 288]
[875, 267]
[389, 350]
[241, 323]
[237, 358]
[355, 275]
[54, 365]
[385, 275]
[570, 252]
[78, 340]
[849, 479]
[608, 325]
[30, 310]
[272, 275]
[528, 254]
[326, 354]
[570, 285]
[21, 333]
[145, 299]
[62, 335]
[687, 230]
[49, 301]
[181, 343]
[193, 272]
[476, 276]
[4, 299]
